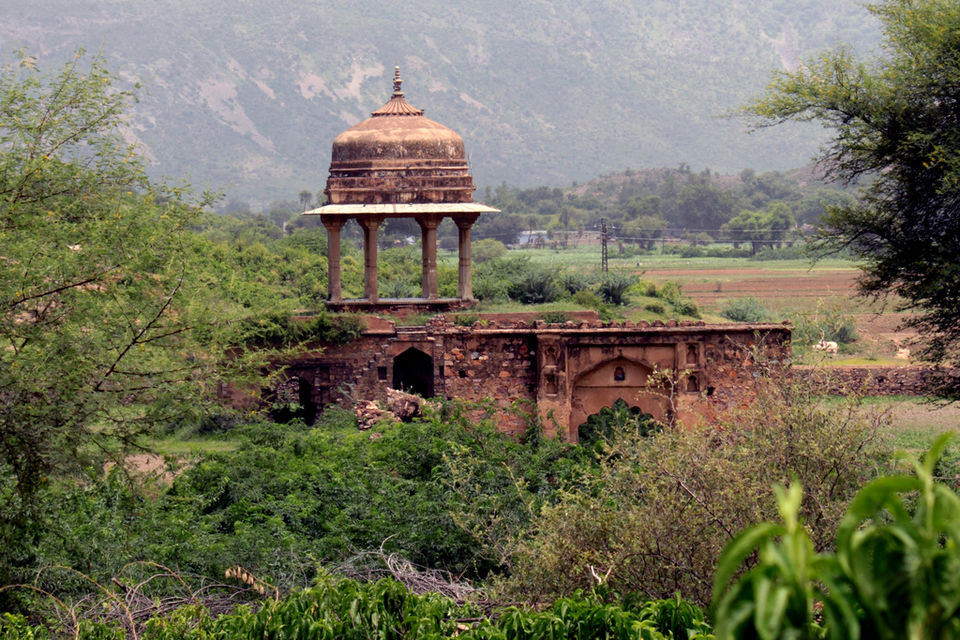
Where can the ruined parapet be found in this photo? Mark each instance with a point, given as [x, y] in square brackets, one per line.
[568, 371]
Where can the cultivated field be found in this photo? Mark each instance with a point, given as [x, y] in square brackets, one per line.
[785, 287]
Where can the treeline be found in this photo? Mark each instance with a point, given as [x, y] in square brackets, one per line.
[652, 206]
[644, 208]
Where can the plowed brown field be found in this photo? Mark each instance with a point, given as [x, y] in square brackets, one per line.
[787, 291]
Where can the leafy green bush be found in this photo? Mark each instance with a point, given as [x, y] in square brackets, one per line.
[487, 249]
[670, 292]
[400, 289]
[714, 251]
[655, 307]
[281, 330]
[894, 573]
[535, 286]
[512, 277]
[745, 310]
[447, 491]
[795, 252]
[555, 317]
[613, 287]
[587, 299]
[574, 281]
[603, 426]
[341, 609]
[686, 307]
[834, 325]
[466, 319]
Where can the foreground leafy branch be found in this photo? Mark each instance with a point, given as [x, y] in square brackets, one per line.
[895, 572]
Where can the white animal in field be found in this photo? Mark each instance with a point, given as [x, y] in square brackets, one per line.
[827, 346]
[903, 353]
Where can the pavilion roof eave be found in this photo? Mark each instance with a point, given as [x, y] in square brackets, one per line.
[404, 209]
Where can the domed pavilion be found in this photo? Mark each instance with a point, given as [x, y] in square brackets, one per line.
[399, 164]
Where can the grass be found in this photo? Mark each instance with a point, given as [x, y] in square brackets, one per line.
[916, 422]
[588, 257]
[179, 447]
[912, 423]
[515, 307]
[865, 361]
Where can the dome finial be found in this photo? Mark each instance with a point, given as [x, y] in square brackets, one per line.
[397, 105]
[397, 93]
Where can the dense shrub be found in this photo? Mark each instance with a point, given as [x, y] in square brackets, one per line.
[824, 324]
[664, 506]
[282, 330]
[745, 310]
[893, 571]
[587, 299]
[341, 609]
[535, 286]
[574, 281]
[446, 491]
[603, 427]
[487, 249]
[399, 289]
[613, 287]
[671, 293]
[686, 307]
[713, 251]
[555, 317]
[648, 288]
[497, 280]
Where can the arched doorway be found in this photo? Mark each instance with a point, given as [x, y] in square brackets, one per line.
[605, 423]
[413, 372]
[292, 399]
[620, 378]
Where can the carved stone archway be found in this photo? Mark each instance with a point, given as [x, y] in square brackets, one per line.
[611, 380]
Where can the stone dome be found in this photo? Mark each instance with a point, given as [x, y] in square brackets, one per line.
[398, 156]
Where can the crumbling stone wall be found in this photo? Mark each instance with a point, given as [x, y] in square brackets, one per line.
[905, 380]
[565, 371]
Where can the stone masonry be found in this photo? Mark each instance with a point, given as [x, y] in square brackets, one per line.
[567, 371]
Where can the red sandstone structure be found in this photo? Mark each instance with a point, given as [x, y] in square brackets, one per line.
[398, 164]
[566, 372]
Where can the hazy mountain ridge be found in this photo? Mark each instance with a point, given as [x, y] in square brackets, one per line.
[247, 99]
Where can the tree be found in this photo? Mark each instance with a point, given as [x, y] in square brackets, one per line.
[103, 335]
[701, 206]
[896, 128]
[305, 198]
[746, 226]
[645, 230]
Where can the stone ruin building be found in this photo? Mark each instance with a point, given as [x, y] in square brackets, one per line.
[398, 163]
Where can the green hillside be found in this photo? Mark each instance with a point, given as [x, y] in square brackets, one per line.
[246, 97]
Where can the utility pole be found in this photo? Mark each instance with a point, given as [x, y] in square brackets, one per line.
[603, 245]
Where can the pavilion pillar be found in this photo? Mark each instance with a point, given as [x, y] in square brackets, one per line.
[370, 226]
[465, 279]
[428, 227]
[334, 287]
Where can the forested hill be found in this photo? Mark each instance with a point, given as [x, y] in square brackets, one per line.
[246, 96]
